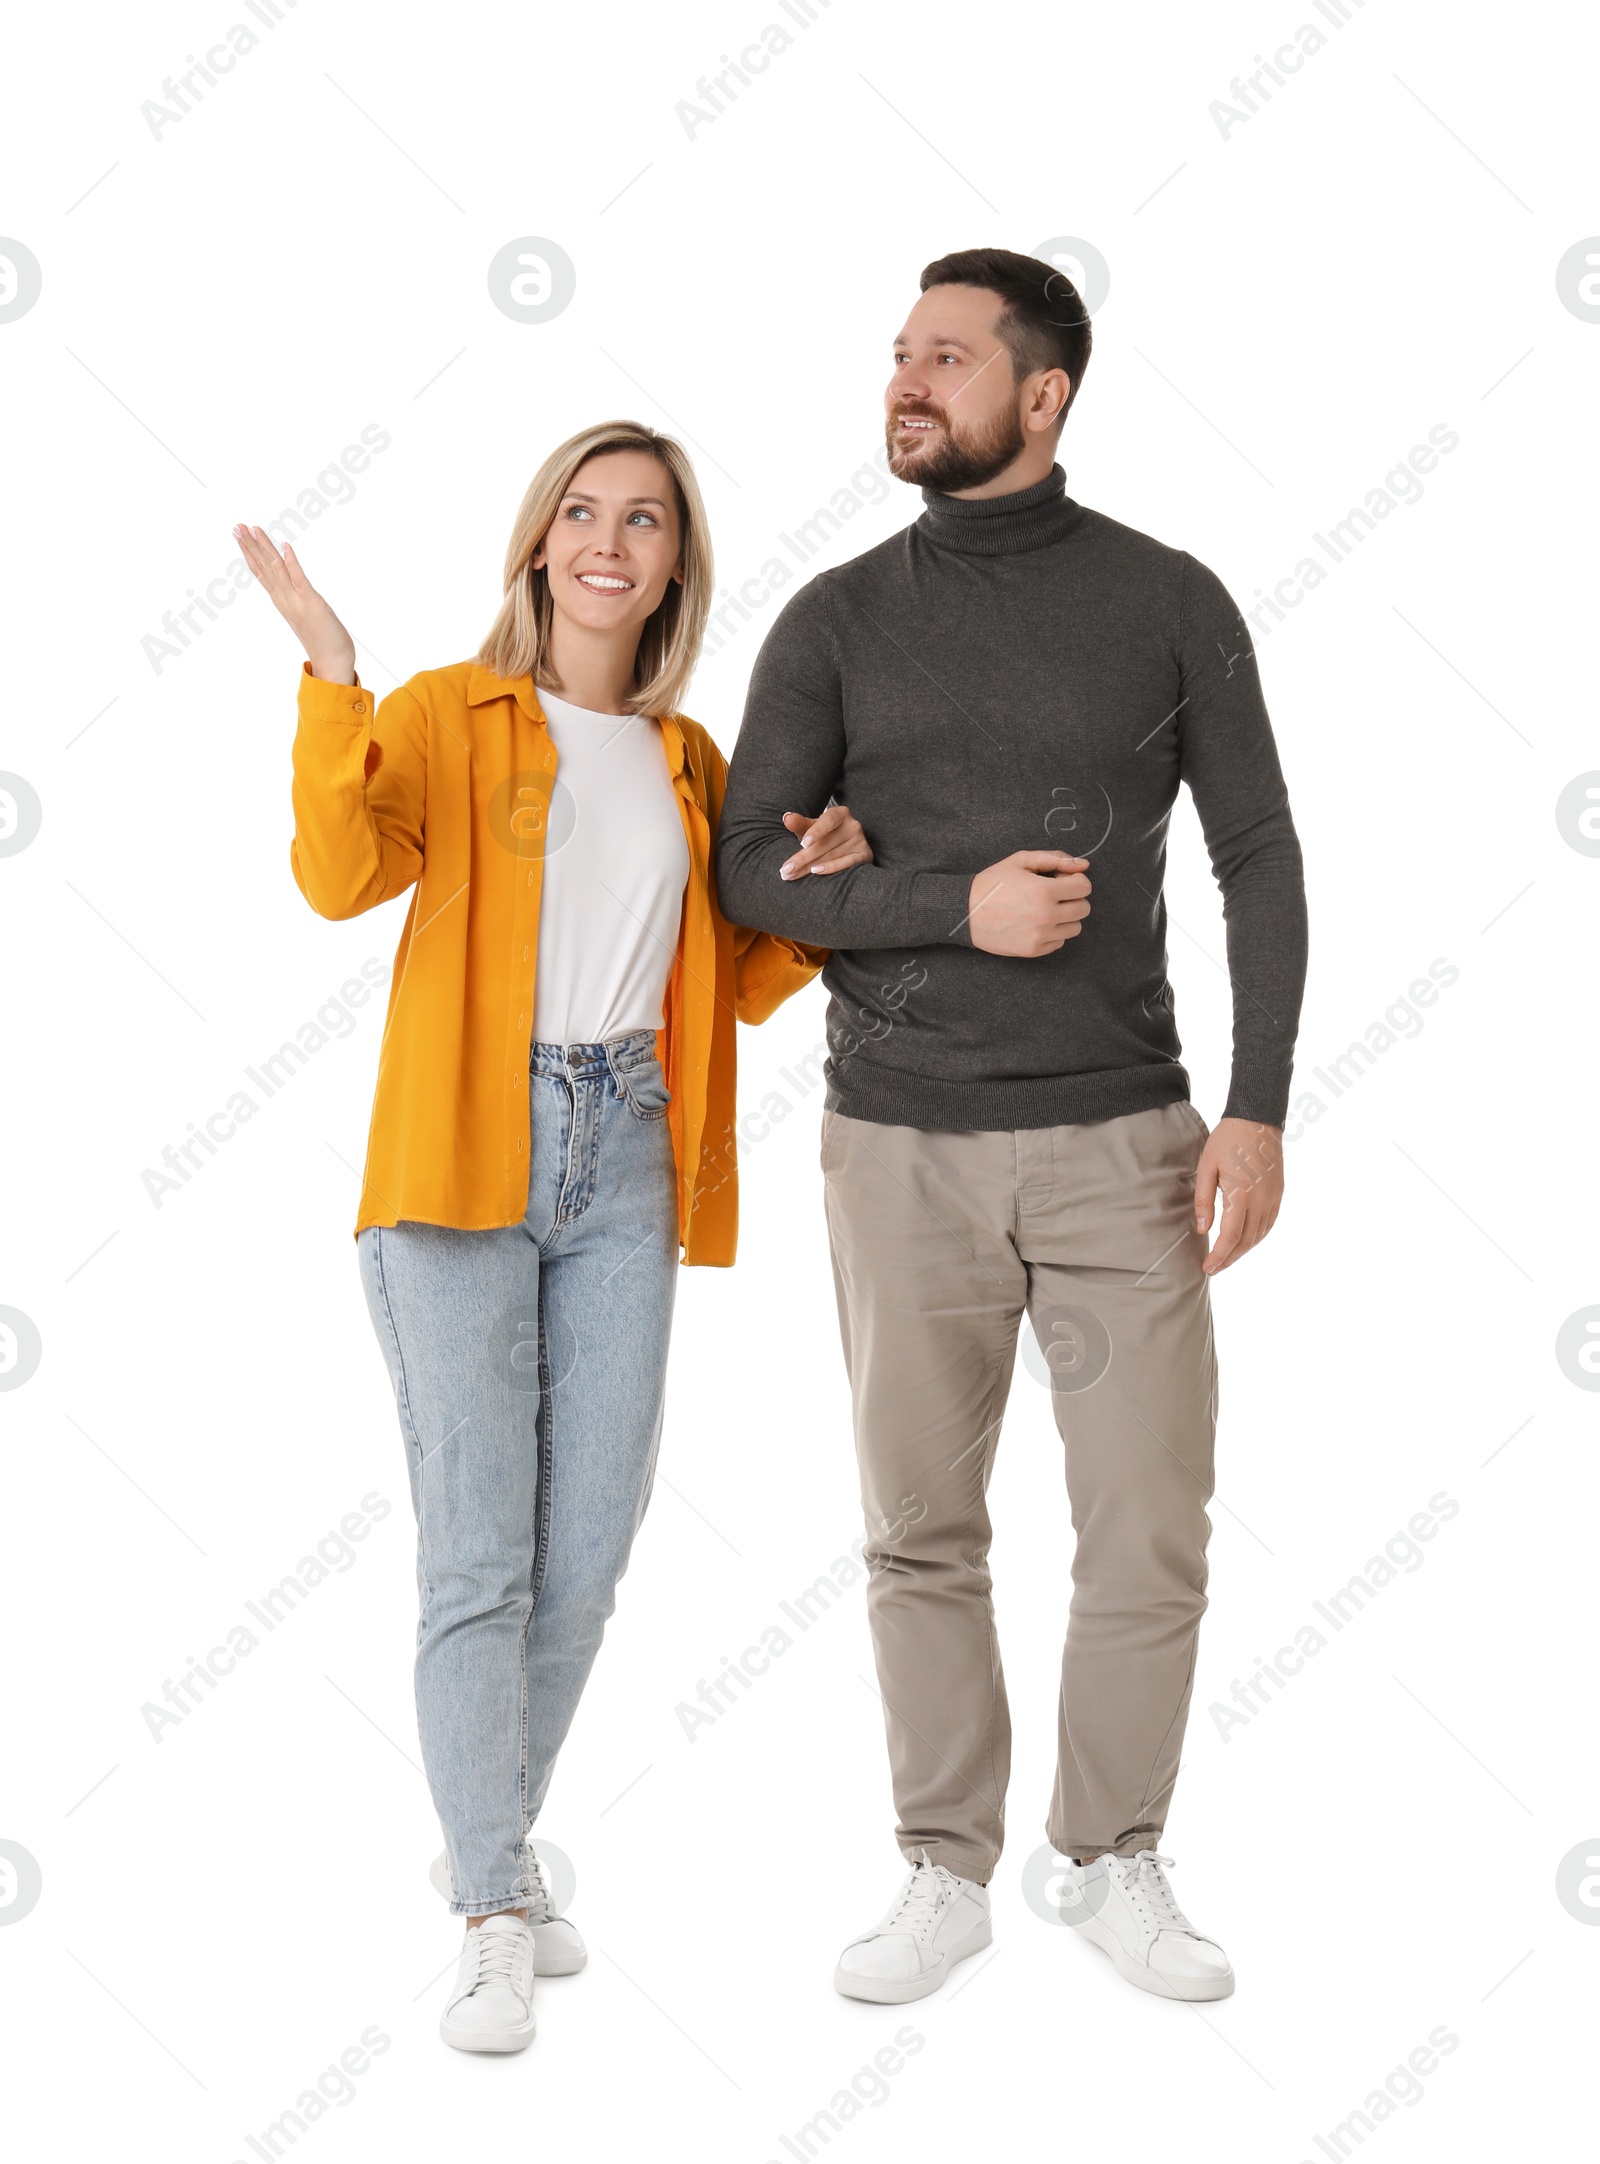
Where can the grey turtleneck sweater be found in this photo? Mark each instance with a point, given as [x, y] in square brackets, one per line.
[1017, 672]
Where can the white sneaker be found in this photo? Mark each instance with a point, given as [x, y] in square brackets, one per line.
[937, 1921]
[491, 2007]
[1123, 1905]
[558, 1948]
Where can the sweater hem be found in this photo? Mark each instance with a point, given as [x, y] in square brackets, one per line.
[996, 1106]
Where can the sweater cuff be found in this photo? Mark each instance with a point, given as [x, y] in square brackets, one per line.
[1263, 1105]
[322, 701]
[945, 898]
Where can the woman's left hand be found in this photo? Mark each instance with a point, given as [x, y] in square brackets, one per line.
[832, 842]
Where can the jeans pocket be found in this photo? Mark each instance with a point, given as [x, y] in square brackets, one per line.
[645, 1089]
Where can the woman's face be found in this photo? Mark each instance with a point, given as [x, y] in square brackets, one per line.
[615, 542]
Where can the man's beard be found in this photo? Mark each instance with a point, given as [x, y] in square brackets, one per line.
[955, 462]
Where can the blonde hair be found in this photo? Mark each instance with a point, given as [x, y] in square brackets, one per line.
[518, 643]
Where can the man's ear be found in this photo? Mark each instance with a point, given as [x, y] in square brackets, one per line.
[1053, 384]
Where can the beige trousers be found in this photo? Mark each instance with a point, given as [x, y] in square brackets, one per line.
[940, 1242]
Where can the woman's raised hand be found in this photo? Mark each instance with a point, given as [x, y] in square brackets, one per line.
[329, 647]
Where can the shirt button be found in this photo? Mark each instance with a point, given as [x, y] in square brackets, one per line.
[358, 706]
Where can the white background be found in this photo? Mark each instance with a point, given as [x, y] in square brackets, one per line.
[1292, 307]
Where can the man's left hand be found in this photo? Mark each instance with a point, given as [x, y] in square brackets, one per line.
[1245, 1160]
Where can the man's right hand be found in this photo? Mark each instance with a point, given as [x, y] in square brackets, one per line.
[1030, 903]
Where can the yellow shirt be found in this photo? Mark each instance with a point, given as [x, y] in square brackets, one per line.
[446, 788]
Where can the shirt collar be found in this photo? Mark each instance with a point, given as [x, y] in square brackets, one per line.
[673, 743]
[483, 685]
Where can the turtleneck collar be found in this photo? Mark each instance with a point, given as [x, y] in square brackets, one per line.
[1000, 525]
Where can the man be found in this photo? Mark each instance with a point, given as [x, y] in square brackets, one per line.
[1008, 1127]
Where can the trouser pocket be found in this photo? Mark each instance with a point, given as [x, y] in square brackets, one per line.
[644, 1089]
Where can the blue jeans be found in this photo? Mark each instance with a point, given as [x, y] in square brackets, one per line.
[529, 1369]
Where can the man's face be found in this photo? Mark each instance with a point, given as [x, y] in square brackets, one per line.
[953, 411]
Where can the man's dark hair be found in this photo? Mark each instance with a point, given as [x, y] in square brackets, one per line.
[1043, 323]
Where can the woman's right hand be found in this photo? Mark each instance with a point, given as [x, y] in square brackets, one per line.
[329, 647]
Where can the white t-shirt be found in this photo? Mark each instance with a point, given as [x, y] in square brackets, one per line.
[615, 867]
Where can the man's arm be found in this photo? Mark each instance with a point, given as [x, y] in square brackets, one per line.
[1230, 762]
[790, 758]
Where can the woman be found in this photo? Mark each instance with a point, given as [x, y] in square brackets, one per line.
[546, 1140]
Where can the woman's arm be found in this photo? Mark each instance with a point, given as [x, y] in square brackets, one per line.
[360, 781]
[768, 969]
[360, 770]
